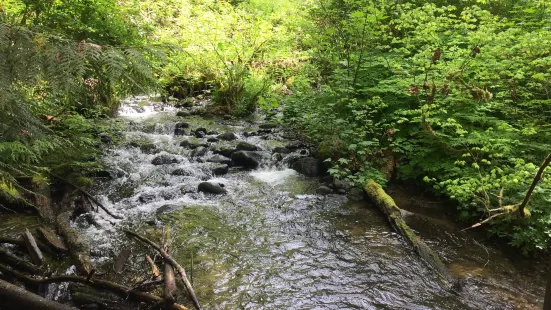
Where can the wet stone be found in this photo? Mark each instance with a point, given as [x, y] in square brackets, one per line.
[227, 117]
[219, 159]
[145, 198]
[183, 113]
[167, 209]
[212, 188]
[213, 139]
[324, 190]
[356, 194]
[250, 160]
[182, 172]
[281, 150]
[228, 136]
[164, 160]
[200, 151]
[220, 169]
[180, 128]
[244, 146]
[308, 166]
[224, 151]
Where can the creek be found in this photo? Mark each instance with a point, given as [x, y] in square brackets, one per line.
[271, 242]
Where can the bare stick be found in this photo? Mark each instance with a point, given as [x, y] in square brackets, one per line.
[15, 297]
[34, 251]
[174, 264]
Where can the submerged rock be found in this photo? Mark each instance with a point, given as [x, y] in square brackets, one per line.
[247, 159]
[183, 113]
[167, 209]
[145, 198]
[228, 136]
[164, 159]
[308, 166]
[213, 188]
[183, 172]
[244, 146]
[220, 169]
[281, 150]
[219, 159]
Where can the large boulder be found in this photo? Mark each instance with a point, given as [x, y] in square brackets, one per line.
[227, 136]
[244, 146]
[212, 187]
[164, 159]
[308, 166]
[247, 159]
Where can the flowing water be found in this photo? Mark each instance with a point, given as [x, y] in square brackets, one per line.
[272, 243]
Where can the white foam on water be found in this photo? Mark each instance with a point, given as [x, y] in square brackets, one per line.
[273, 177]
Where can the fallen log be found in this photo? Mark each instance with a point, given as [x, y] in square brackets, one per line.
[18, 263]
[118, 289]
[394, 216]
[174, 264]
[15, 297]
[34, 251]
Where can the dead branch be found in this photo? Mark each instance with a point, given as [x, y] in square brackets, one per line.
[537, 178]
[174, 264]
[169, 279]
[18, 263]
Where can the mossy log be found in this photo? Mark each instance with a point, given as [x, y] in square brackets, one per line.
[51, 238]
[15, 297]
[394, 216]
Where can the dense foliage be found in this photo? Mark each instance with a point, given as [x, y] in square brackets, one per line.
[451, 94]
[455, 93]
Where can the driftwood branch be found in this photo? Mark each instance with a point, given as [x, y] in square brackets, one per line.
[21, 243]
[394, 216]
[118, 289]
[172, 262]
